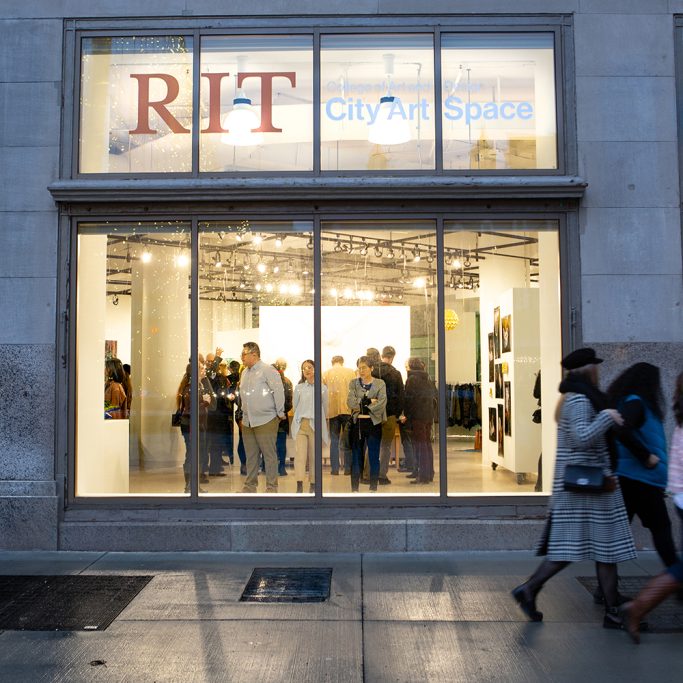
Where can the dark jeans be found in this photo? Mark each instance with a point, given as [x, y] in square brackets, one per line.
[648, 503]
[203, 453]
[422, 446]
[363, 433]
[241, 453]
[339, 442]
[219, 442]
[281, 447]
[406, 432]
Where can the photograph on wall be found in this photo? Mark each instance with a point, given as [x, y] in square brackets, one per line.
[110, 349]
[492, 424]
[500, 431]
[506, 331]
[498, 371]
[496, 331]
[507, 404]
[491, 357]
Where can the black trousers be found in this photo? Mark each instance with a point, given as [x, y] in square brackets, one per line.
[649, 504]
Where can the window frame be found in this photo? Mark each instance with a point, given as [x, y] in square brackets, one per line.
[559, 25]
[566, 224]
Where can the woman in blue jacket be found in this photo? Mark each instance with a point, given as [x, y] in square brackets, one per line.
[637, 394]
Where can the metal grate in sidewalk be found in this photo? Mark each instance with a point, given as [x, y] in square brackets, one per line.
[665, 618]
[65, 603]
[291, 584]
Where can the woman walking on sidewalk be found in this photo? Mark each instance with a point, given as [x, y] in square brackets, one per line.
[583, 526]
[671, 580]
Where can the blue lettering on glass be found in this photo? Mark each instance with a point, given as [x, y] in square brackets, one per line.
[455, 110]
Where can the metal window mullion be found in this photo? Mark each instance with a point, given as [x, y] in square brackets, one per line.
[438, 99]
[317, 355]
[317, 152]
[194, 359]
[196, 86]
[441, 369]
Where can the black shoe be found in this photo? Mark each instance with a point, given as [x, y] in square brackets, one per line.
[243, 470]
[364, 481]
[373, 486]
[404, 470]
[282, 472]
[217, 474]
[203, 479]
[613, 619]
[347, 473]
[384, 481]
[528, 605]
[335, 474]
[599, 598]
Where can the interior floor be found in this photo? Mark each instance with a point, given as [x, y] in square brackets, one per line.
[466, 473]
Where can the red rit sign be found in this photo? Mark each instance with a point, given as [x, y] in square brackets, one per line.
[214, 126]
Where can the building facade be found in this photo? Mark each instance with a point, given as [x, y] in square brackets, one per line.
[466, 194]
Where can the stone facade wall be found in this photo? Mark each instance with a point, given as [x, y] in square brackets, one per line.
[630, 221]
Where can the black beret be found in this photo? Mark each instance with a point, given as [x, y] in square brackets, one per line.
[579, 358]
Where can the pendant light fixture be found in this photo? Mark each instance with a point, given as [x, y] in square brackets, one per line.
[390, 126]
[243, 119]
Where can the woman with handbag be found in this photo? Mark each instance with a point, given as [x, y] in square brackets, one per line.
[671, 580]
[587, 515]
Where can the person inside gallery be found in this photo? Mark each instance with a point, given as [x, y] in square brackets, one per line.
[304, 425]
[367, 399]
[393, 380]
[115, 397]
[262, 400]
[337, 380]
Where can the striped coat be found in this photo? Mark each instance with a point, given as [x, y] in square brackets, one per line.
[586, 526]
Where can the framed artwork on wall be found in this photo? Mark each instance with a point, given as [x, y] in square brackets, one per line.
[506, 332]
[507, 413]
[501, 449]
[498, 371]
[493, 419]
[491, 357]
[496, 331]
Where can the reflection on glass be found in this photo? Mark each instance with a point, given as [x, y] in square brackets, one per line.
[255, 332]
[379, 357]
[502, 327]
[256, 103]
[136, 105]
[133, 335]
[377, 109]
[498, 101]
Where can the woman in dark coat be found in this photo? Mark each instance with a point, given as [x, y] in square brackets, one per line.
[583, 526]
[418, 413]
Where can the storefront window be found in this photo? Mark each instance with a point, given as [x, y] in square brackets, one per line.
[136, 105]
[378, 289]
[498, 101]
[377, 108]
[256, 103]
[502, 333]
[255, 288]
[132, 348]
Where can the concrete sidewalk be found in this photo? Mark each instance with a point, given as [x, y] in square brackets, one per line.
[391, 617]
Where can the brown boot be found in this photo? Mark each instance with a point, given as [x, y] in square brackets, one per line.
[654, 592]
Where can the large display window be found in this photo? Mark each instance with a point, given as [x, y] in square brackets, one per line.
[335, 358]
[498, 101]
[136, 105]
[320, 102]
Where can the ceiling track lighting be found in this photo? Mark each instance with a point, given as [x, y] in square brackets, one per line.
[378, 251]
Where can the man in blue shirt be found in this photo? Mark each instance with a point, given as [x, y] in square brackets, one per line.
[262, 399]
